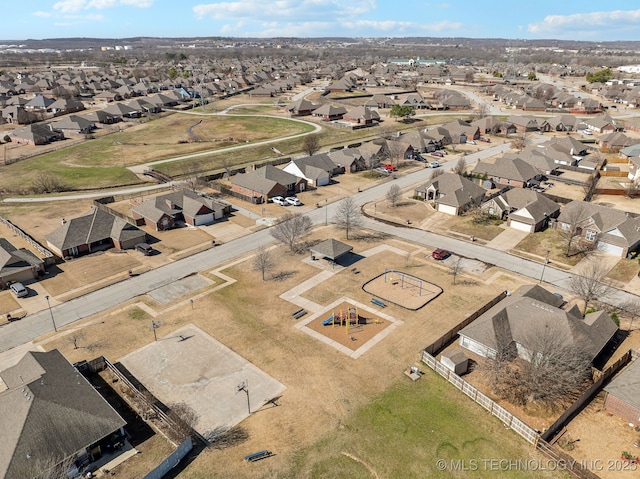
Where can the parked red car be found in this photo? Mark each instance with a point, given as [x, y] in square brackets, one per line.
[389, 167]
[440, 254]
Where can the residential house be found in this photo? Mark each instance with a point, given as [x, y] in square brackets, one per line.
[316, 169]
[18, 264]
[623, 394]
[514, 322]
[64, 105]
[120, 110]
[613, 231]
[452, 194]
[523, 123]
[36, 134]
[328, 112]
[362, 116]
[461, 131]
[163, 212]
[348, 160]
[416, 101]
[94, 231]
[559, 123]
[379, 101]
[101, 116]
[524, 209]
[52, 416]
[39, 103]
[301, 107]
[615, 141]
[267, 182]
[508, 171]
[602, 124]
[74, 124]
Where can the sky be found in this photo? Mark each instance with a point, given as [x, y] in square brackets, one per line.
[524, 19]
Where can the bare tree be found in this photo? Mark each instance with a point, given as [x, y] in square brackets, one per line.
[519, 141]
[46, 182]
[291, 228]
[549, 370]
[194, 180]
[632, 189]
[75, 337]
[262, 261]
[592, 283]
[396, 150]
[632, 307]
[461, 166]
[348, 215]
[311, 144]
[570, 229]
[436, 173]
[393, 195]
[482, 111]
[456, 268]
[184, 419]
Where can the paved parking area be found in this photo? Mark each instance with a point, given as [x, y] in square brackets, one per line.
[192, 367]
[178, 289]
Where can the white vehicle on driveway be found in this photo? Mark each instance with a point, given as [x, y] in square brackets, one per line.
[293, 201]
[279, 200]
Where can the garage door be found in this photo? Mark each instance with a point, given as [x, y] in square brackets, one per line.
[450, 210]
[610, 249]
[517, 225]
[203, 219]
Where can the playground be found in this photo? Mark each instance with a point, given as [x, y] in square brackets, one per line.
[350, 325]
[402, 289]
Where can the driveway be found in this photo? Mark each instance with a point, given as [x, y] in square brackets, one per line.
[507, 240]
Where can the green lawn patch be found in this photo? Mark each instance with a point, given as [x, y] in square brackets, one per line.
[407, 429]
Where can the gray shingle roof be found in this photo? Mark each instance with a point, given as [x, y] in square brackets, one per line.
[626, 385]
[55, 412]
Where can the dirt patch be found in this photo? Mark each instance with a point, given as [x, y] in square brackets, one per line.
[402, 289]
[348, 325]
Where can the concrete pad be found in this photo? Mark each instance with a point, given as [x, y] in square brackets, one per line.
[192, 367]
[178, 289]
[608, 261]
[507, 240]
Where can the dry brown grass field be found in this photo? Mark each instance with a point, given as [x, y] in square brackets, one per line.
[324, 386]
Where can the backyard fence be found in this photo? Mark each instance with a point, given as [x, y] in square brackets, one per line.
[619, 174]
[520, 427]
[579, 404]
[172, 460]
[47, 256]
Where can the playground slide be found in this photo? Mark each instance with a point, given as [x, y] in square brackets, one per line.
[327, 322]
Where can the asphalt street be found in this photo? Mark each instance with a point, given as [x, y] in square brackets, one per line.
[21, 332]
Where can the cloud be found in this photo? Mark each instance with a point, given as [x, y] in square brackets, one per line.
[41, 14]
[74, 6]
[563, 24]
[284, 10]
[398, 28]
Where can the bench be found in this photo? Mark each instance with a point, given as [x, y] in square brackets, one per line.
[378, 302]
[257, 456]
[300, 313]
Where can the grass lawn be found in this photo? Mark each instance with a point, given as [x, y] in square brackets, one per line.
[549, 240]
[100, 162]
[406, 429]
[624, 271]
[466, 226]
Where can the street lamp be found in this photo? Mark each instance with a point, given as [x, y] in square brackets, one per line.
[546, 261]
[51, 313]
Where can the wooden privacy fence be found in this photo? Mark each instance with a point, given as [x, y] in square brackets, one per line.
[520, 427]
[620, 174]
[47, 255]
[579, 404]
